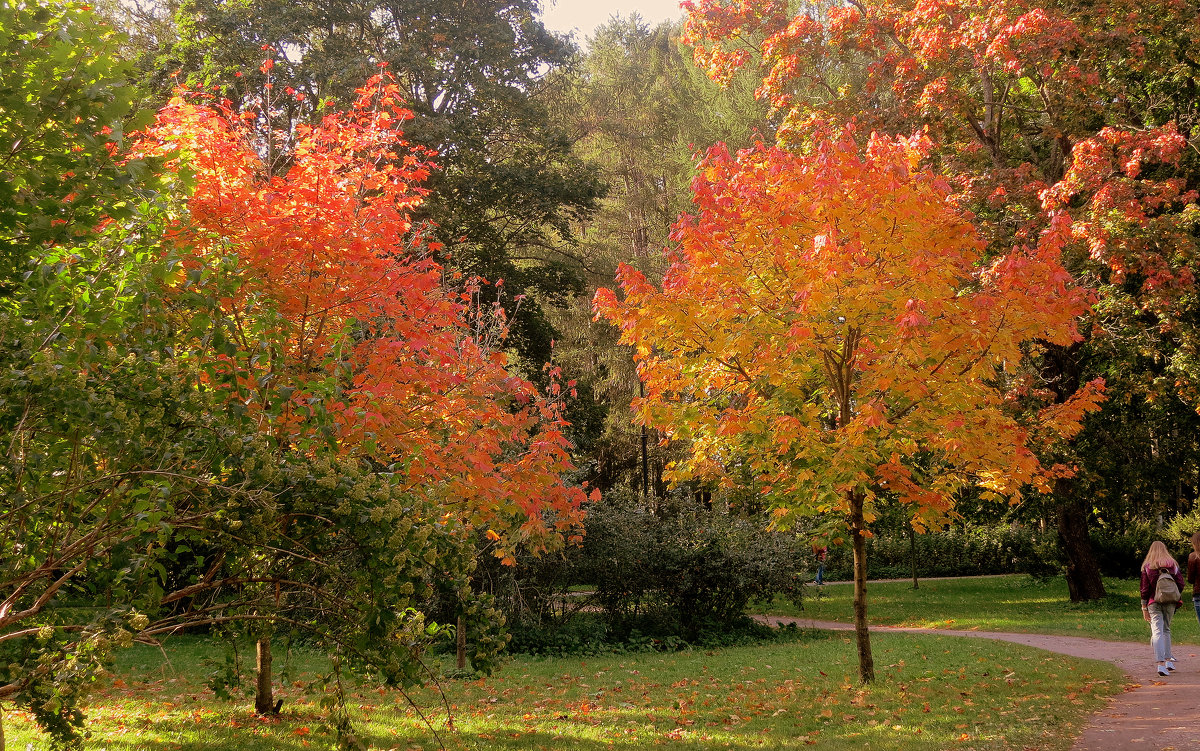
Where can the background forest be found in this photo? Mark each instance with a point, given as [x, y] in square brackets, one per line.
[301, 340]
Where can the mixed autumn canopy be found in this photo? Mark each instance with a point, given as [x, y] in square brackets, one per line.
[1066, 124]
[829, 328]
[252, 379]
[255, 398]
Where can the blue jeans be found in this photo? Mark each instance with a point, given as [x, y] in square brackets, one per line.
[1160, 630]
[1196, 605]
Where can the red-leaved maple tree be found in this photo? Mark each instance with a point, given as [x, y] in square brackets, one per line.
[340, 307]
[829, 330]
[340, 333]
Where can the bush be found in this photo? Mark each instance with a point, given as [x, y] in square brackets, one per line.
[534, 591]
[684, 568]
[665, 577]
[586, 634]
[1178, 534]
[973, 551]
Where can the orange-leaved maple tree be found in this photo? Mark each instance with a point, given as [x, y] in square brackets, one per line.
[829, 330]
[339, 308]
[1068, 123]
[379, 381]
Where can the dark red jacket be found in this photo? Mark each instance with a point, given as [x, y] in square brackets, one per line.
[1150, 578]
[1194, 573]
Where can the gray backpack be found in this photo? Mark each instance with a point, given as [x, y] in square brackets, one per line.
[1166, 591]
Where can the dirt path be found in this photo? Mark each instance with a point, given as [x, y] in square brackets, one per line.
[1153, 714]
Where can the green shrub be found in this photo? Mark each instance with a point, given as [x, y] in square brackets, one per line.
[689, 568]
[1178, 533]
[586, 634]
[676, 574]
[973, 551]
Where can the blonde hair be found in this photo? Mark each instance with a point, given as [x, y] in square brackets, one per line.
[1196, 543]
[1158, 556]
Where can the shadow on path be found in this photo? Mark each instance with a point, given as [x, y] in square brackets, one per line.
[1154, 714]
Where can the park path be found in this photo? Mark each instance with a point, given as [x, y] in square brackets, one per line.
[1152, 714]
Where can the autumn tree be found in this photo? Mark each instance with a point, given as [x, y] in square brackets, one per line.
[508, 186]
[829, 332]
[1049, 119]
[350, 346]
[128, 479]
[198, 405]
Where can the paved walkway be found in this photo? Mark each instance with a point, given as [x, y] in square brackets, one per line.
[1153, 714]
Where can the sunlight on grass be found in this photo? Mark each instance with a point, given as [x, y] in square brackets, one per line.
[932, 693]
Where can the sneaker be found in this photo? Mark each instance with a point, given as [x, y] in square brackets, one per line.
[1170, 666]
[1163, 671]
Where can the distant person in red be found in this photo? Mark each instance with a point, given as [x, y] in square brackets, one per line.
[1162, 583]
[1193, 565]
[820, 552]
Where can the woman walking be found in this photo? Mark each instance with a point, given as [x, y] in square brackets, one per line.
[1162, 584]
[1193, 572]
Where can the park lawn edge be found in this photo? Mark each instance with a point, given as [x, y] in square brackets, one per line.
[1013, 603]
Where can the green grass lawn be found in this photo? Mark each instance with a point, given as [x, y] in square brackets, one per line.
[933, 692]
[1001, 603]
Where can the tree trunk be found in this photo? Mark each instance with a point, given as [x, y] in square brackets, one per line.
[460, 646]
[645, 449]
[866, 663]
[1083, 571]
[912, 554]
[1062, 372]
[264, 699]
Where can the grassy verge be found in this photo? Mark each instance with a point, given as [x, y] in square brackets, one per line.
[1000, 603]
[933, 693]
